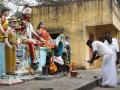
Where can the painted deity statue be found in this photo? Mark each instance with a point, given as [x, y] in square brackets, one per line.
[3, 38]
[11, 53]
[60, 43]
[45, 36]
[27, 33]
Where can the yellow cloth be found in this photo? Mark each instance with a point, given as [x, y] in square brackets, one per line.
[5, 24]
[10, 59]
[10, 54]
[1, 37]
[12, 37]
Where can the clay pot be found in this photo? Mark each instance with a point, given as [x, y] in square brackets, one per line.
[73, 73]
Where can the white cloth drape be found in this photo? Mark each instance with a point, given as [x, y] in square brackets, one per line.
[109, 70]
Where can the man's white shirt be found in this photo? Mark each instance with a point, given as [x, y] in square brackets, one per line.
[114, 45]
[101, 48]
[29, 30]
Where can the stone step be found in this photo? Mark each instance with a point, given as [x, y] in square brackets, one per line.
[9, 80]
[50, 77]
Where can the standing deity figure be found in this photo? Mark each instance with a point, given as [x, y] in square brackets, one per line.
[11, 53]
[3, 38]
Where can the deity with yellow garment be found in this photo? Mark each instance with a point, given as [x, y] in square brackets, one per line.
[11, 53]
[3, 38]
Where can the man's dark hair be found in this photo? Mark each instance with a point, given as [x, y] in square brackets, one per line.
[107, 35]
[89, 43]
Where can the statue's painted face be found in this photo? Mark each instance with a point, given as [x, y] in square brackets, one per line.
[6, 13]
[42, 25]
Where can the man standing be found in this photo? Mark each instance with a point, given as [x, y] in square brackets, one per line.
[108, 69]
[112, 43]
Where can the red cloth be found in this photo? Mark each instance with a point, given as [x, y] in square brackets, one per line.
[32, 50]
[49, 44]
[38, 43]
[44, 34]
[25, 17]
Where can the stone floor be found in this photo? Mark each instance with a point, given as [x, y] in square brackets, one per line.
[85, 80]
[99, 88]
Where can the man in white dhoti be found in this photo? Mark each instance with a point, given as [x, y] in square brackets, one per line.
[112, 43]
[108, 69]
